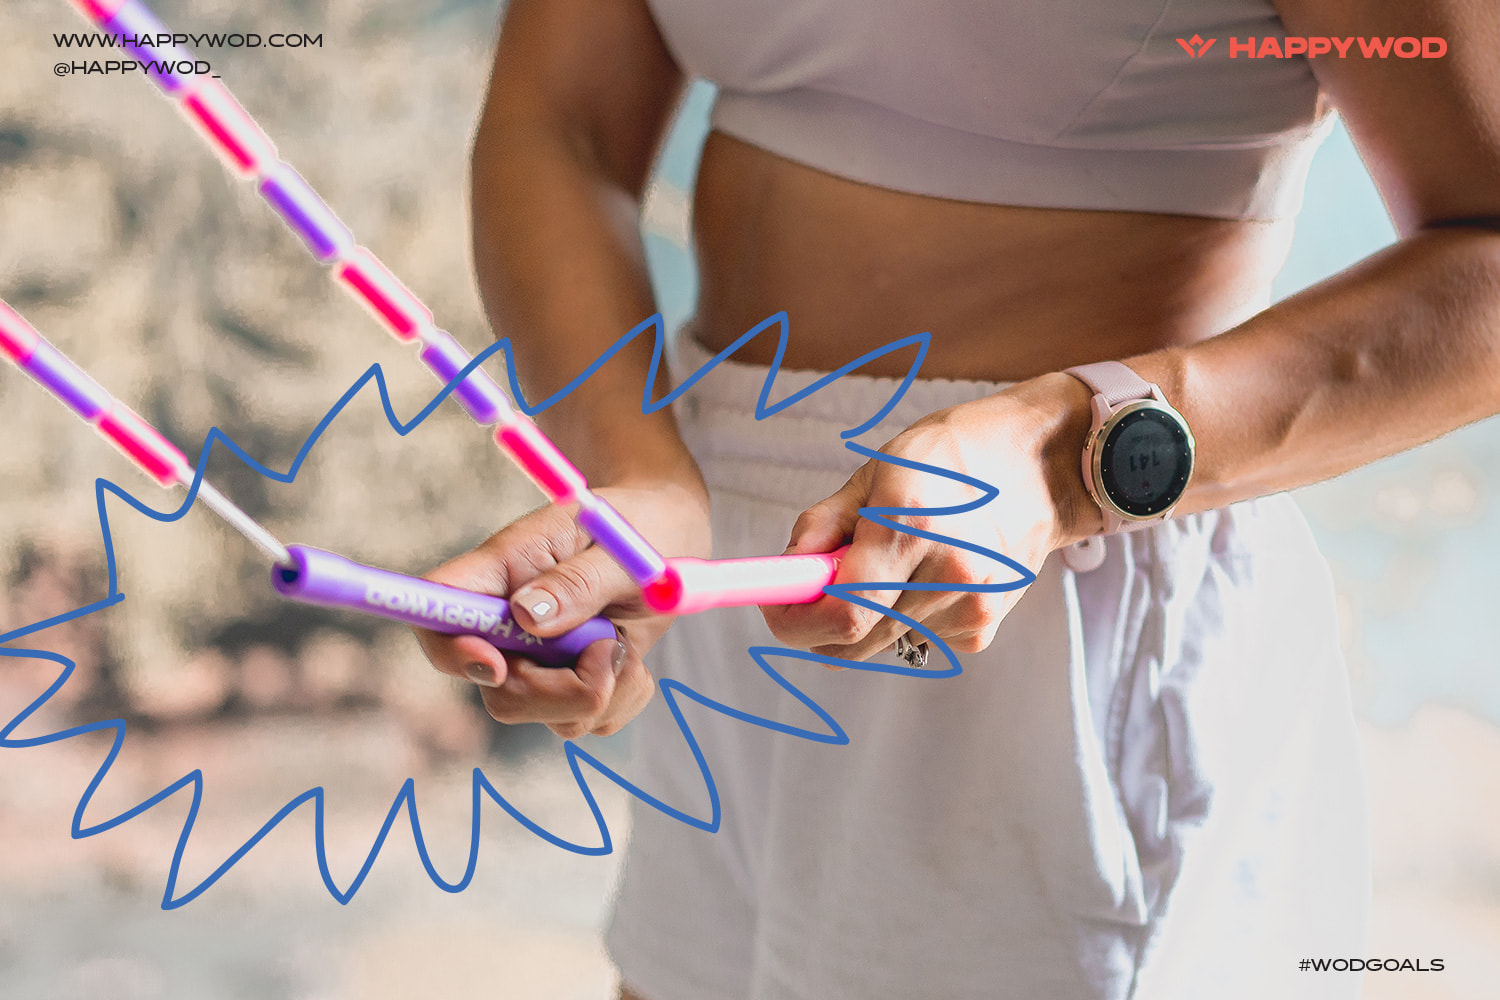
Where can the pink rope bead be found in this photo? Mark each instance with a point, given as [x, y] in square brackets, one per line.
[98, 11]
[144, 446]
[393, 303]
[18, 339]
[539, 458]
[233, 133]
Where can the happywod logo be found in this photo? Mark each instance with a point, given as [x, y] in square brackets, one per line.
[1311, 47]
[1196, 46]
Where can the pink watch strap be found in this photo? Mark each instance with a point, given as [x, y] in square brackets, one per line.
[1112, 380]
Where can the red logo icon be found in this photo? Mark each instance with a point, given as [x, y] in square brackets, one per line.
[1196, 46]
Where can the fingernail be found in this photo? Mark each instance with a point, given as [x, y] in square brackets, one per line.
[619, 660]
[482, 674]
[538, 602]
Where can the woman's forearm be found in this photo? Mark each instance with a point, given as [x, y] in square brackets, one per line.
[1391, 353]
[580, 96]
[561, 271]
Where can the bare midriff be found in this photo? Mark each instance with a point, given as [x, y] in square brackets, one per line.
[1006, 292]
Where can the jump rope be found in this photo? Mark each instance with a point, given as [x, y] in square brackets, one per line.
[309, 575]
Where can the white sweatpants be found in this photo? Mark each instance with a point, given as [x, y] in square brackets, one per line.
[1148, 786]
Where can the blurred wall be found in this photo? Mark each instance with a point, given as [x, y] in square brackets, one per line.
[126, 242]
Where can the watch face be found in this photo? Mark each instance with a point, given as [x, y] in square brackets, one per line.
[1145, 462]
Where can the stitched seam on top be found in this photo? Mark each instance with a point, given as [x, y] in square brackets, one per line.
[1150, 34]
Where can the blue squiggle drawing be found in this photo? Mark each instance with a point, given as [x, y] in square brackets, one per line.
[672, 691]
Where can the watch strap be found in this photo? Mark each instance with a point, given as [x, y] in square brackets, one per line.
[1112, 380]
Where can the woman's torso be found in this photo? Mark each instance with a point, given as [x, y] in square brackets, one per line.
[1036, 185]
[1006, 292]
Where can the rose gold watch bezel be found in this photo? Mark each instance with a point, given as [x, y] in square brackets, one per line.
[1095, 483]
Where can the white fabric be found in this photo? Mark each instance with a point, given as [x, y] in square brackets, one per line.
[1148, 786]
[1086, 104]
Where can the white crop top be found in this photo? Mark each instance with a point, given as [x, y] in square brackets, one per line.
[1088, 104]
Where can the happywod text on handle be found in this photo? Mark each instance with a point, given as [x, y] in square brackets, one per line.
[322, 578]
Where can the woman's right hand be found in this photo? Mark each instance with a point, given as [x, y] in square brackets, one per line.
[555, 578]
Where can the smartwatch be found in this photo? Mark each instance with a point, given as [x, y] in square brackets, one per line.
[1138, 456]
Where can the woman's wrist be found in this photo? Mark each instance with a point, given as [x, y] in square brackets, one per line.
[670, 513]
[667, 466]
[617, 446]
[682, 492]
[1060, 409]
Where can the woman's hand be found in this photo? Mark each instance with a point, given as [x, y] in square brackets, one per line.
[1026, 442]
[555, 579]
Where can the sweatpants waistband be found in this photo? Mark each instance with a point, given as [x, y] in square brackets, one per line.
[796, 454]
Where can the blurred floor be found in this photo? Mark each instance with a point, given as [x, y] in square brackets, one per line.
[82, 919]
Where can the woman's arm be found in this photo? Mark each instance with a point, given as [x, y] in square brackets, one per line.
[580, 95]
[1393, 352]
[1406, 345]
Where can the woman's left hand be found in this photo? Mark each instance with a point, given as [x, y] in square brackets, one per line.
[1026, 442]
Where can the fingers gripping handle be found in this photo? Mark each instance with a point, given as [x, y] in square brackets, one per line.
[318, 577]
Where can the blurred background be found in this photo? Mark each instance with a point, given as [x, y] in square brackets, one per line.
[127, 243]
